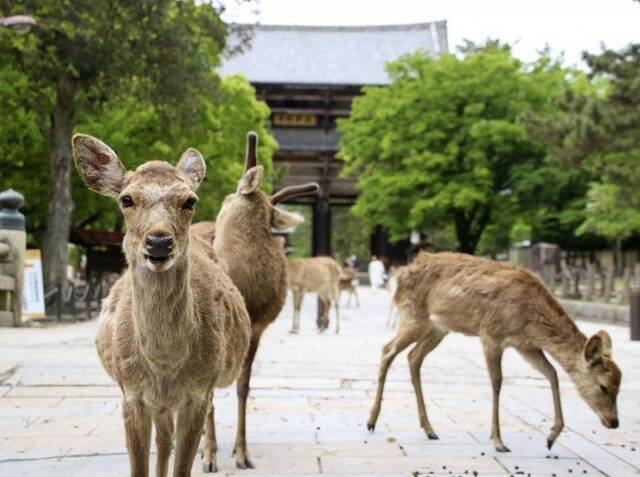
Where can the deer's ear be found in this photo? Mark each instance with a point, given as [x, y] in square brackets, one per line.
[98, 166]
[193, 167]
[282, 220]
[250, 180]
[594, 348]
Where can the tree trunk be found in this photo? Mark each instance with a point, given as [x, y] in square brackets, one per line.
[469, 230]
[60, 202]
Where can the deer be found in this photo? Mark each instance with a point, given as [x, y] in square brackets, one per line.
[256, 264]
[349, 284]
[173, 326]
[504, 306]
[319, 275]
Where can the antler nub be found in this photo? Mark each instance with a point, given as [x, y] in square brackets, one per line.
[251, 155]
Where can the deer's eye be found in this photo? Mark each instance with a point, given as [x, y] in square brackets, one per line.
[604, 389]
[126, 201]
[189, 204]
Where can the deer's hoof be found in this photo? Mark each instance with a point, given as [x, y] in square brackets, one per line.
[502, 448]
[244, 464]
[550, 443]
[209, 467]
[432, 436]
[293, 332]
[371, 425]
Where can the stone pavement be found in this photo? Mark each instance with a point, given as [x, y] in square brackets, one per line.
[60, 413]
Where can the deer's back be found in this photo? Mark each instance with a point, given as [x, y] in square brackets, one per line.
[476, 296]
[259, 271]
[313, 274]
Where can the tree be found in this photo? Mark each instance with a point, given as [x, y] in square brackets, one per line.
[444, 145]
[82, 52]
[613, 208]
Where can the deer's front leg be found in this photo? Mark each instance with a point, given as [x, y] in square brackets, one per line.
[209, 453]
[493, 356]
[163, 421]
[189, 427]
[137, 428]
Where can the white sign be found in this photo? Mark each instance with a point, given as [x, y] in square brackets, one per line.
[33, 291]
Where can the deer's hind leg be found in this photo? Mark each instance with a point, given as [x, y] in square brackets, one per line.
[536, 358]
[335, 297]
[493, 355]
[298, 295]
[416, 357]
[408, 332]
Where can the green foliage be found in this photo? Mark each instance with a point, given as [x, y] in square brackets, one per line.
[608, 213]
[146, 85]
[348, 235]
[300, 239]
[444, 145]
[520, 231]
[613, 208]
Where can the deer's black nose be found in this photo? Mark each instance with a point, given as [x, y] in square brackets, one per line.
[159, 245]
[614, 423]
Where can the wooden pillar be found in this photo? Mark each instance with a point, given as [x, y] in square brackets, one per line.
[322, 229]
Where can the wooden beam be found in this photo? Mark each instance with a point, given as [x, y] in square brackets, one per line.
[303, 110]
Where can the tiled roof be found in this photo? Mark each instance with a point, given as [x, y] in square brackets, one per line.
[331, 55]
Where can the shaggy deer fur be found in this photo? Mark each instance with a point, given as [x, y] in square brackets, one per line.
[504, 306]
[174, 325]
[257, 265]
[319, 275]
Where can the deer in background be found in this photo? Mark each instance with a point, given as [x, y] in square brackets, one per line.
[173, 326]
[256, 263]
[349, 283]
[319, 275]
[504, 306]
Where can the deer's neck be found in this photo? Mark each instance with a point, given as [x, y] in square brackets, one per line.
[163, 316]
[565, 342]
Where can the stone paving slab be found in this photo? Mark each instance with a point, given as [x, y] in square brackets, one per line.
[60, 414]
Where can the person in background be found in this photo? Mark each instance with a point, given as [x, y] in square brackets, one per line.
[376, 273]
[352, 261]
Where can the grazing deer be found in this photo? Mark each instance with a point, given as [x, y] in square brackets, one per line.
[504, 306]
[257, 265]
[319, 275]
[174, 325]
[349, 283]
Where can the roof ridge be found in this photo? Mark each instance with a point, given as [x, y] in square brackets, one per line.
[345, 28]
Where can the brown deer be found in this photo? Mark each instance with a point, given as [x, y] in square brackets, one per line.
[257, 265]
[319, 275]
[349, 284]
[504, 306]
[173, 326]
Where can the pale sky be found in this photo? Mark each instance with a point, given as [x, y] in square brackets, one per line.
[568, 26]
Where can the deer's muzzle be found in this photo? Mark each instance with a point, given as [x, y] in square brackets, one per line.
[158, 247]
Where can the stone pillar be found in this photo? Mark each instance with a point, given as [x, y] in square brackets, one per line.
[13, 233]
[634, 313]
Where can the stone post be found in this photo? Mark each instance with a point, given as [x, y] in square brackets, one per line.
[626, 285]
[634, 313]
[13, 233]
[609, 284]
[591, 278]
